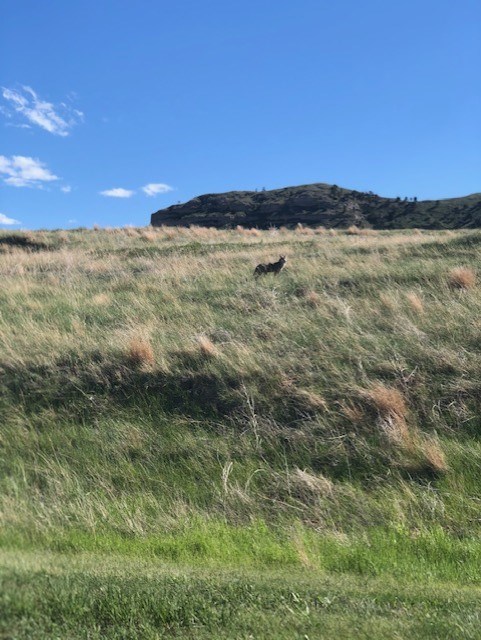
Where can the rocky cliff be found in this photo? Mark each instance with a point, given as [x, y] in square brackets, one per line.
[320, 204]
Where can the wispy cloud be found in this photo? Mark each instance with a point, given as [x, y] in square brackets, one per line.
[18, 126]
[6, 220]
[155, 188]
[151, 189]
[118, 193]
[56, 119]
[66, 189]
[23, 171]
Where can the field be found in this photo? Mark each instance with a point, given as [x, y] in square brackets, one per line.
[189, 452]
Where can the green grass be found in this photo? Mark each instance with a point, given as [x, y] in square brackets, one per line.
[51, 596]
[163, 411]
[429, 555]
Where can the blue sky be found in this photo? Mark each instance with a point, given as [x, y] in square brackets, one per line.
[113, 109]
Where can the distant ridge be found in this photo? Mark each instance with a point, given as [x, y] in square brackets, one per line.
[320, 204]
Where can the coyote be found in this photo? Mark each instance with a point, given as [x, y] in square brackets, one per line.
[271, 267]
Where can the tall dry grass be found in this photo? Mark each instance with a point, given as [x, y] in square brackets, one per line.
[165, 331]
[462, 278]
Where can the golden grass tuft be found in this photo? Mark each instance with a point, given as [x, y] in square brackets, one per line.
[302, 553]
[140, 352]
[101, 299]
[303, 230]
[388, 401]
[462, 278]
[203, 232]
[387, 301]
[206, 347]
[170, 233]
[390, 405]
[317, 484]
[432, 455]
[415, 302]
[149, 235]
[131, 232]
[352, 412]
[253, 232]
[353, 230]
[310, 400]
[312, 298]
[398, 432]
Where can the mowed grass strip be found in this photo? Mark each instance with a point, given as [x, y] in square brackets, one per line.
[49, 596]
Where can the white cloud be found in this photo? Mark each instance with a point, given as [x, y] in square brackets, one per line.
[6, 220]
[18, 126]
[56, 119]
[22, 171]
[72, 221]
[153, 189]
[118, 193]
[66, 189]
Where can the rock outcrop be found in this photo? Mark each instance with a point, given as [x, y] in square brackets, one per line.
[320, 204]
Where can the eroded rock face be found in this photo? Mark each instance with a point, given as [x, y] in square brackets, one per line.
[320, 204]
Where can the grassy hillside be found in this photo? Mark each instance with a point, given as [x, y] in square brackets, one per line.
[159, 403]
[321, 204]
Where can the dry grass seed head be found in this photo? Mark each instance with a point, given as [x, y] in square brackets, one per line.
[101, 299]
[415, 302]
[462, 278]
[303, 230]
[140, 352]
[312, 298]
[353, 413]
[149, 235]
[388, 401]
[316, 484]
[433, 455]
[302, 554]
[392, 409]
[310, 400]
[353, 230]
[170, 233]
[387, 301]
[206, 347]
[398, 432]
[256, 233]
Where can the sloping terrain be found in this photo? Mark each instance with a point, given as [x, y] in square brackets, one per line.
[147, 372]
[187, 450]
[321, 204]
